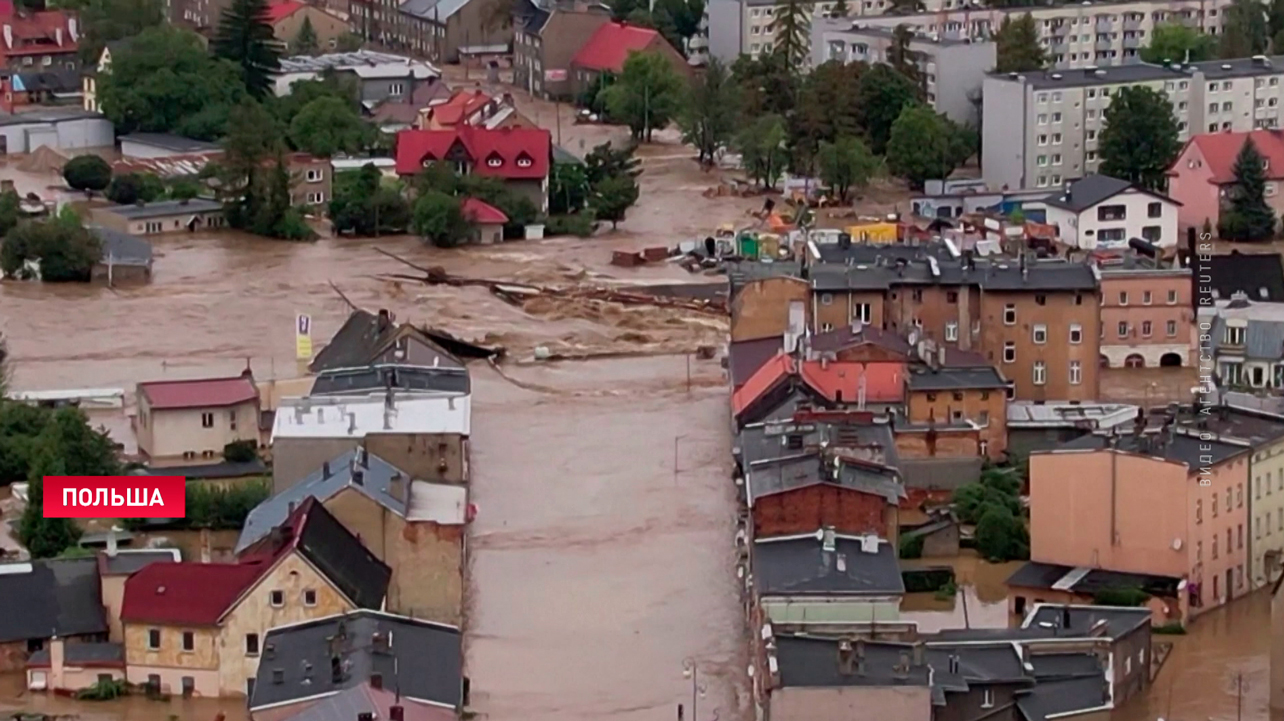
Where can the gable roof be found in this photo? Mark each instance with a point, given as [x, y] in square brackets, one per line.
[842, 381]
[512, 147]
[58, 597]
[790, 473]
[610, 46]
[199, 393]
[745, 357]
[379, 377]
[771, 374]
[186, 594]
[479, 211]
[127, 561]
[331, 548]
[351, 703]
[1093, 189]
[458, 107]
[278, 11]
[1219, 151]
[43, 29]
[800, 565]
[363, 337]
[375, 482]
[425, 659]
[948, 379]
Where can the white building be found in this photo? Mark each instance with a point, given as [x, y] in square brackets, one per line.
[1103, 212]
[380, 76]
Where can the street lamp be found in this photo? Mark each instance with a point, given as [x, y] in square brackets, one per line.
[691, 671]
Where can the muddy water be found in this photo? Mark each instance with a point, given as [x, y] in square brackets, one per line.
[981, 601]
[15, 698]
[597, 571]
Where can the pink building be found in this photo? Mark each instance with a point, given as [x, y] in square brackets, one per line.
[1159, 504]
[1206, 165]
[1146, 316]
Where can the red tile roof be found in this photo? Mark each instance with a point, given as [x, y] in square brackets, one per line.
[509, 153]
[479, 211]
[768, 376]
[46, 32]
[1220, 149]
[278, 11]
[610, 46]
[6, 8]
[459, 107]
[186, 594]
[201, 393]
[884, 382]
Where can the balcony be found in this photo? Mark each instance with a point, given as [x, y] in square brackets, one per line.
[1131, 43]
[1132, 23]
[1104, 45]
[1105, 25]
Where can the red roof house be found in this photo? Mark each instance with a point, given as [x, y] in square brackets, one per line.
[1207, 163]
[608, 48]
[27, 39]
[198, 393]
[278, 11]
[838, 382]
[189, 419]
[483, 213]
[521, 157]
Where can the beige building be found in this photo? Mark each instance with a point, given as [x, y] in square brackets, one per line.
[196, 629]
[70, 667]
[166, 216]
[115, 566]
[188, 419]
[288, 16]
[417, 528]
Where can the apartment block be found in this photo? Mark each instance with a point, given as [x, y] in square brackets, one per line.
[1042, 129]
[1075, 34]
[952, 70]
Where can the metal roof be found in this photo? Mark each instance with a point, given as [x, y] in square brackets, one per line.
[345, 417]
[165, 208]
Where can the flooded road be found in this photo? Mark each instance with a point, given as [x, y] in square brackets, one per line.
[596, 569]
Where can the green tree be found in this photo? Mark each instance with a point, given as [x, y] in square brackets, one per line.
[328, 126]
[1248, 217]
[184, 189]
[1139, 140]
[131, 188]
[349, 43]
[646, 96]
[708, 117]
[330, 84]
[568, 189]
[1001, 535]
[245, 37]
[305, 42]
[10, 214]
[87, 172]
[605, 161]
[924, 145]
[45, 537]
[883, 94]
[827, 108]
[901, 57]
[164, 81]
[364, 207]
[1174, 42]
[439, 219]
[792, 26]
[768, 85]
[1275, 17]
[106, 21]
[66, 251]
[658, 19]
[845, 163]
[762, 149]
[1245, 31]
[1018, 46]
[612, 197]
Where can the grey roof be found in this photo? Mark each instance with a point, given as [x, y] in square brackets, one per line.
[1119, 621]
[805, 661]
[1087, 192]
[165, 208]
[173, 143]
[213, 471]
[1264, 334]
[760, 442]
[1239, 67]
[1256, 427]
[425, 659]
[1260, 276]
[848, 30]
[990, 274]
[1064, 665]
[799, 565]
[127, 562]
[356, 60]
[946, 379]
[1053, 698]
[745, 357]
[51, 81]
[48, 115]
[940, 473]
[1180, 448]
[375, 482]
[743, 271]
[123, 248]
[808, 469]
[349, 704]
[435, 10]
[89, 654]
[1088, 581]
[58, 597]
[1085, 77]
[380, 377]
[364, 336]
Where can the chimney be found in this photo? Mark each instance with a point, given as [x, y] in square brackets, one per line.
[111, 542]
[902, 667]
[205, 545]
[57, 653]
[376, 680]
[397, 713]
[1099, 628]
[940, 356]
[293, 506]
[325, 470]
[1025, 655]
[846, 658]
[385, 320]
[920, 652]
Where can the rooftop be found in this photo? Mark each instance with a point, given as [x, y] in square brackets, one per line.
[378, 378]
[172, 143]
[365, 337]
[805, 469]
[365, 63]
[95, 654]
[49, 115]
[948, 379]
[1256, 427]
[350, 703]
[164, 208]
[747, 356]
[1089, 191]
[1219, 151]
[354, 417]
[1088, 416]
[1087, 581]
[58, 597]
[199, 393]
[123, 248]
[1179, 448]
[990, 274]
[1258, 275]
[802, 566]
[868, 441]
[126, 561]
[846, 27]
[611, 45]
[425, 659]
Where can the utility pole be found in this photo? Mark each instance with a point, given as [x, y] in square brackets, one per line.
[1239, 697]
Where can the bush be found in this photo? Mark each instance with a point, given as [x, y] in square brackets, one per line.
[131, 188]
[217, 508]
[947, 592]
[103, 690]
[580, 224]
[1001, 536]
[1120, 597]
[927, 580]
[66, 251]
[911, 546]
[87, 172]
[240, 452]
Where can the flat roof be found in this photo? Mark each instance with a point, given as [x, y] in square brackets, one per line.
[347, 417]
[164, 208]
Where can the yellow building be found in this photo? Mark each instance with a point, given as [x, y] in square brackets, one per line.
[196, 629]
[184, 420]
[874, 232]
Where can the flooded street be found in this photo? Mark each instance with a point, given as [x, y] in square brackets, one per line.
[596, 569]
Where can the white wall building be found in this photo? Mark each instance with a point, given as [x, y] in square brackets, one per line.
[1103, 212]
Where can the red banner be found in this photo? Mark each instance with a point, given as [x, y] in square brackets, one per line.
[115, 496]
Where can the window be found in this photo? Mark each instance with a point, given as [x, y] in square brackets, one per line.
[1041, 299]
[1234, 335]
[1076, 333]
[524, 162]
[1123, 329]
[207, 420]
[826, 299]
[1214, 556]
[396, 89]
[251, 644]
[1145, 329]
[861, 312]
[309, 597]
[1145, 298]
[1239, 536]
[1040, 334]
[952, 296]
[987, 698]
[1239, 495]
[231, 419]
[951, 331]
[1214, 505]
[1123, 298]
[1040, 373]
[278, 599]
[1172, 328]
[1152, 233]
[1009, 314]
[1112, 212]
[189, 641]
[316, 198]
[153, 638]
[315, 176]
[1009, 352]
[1076, 373]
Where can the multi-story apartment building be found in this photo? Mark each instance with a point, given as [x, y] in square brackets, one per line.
[1146, 316]
[1245, 342]
[1038, 322]
[1075, 34]
[952, 70]
[1060, 113]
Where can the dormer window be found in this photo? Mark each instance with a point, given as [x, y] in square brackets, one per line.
[525, 162]
[495, 161]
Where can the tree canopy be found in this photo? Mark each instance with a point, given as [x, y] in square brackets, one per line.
[87, 172]
[708, 115]
[792, 26]
[925, 145]
[883, 94]
[844, 164]
[1174, 42]
[1139, 140]
[1018, 45]
[646, 96]
[328, 126]
[245, 38]
[67, 252]
[1244, 29]
[105, 21]
[1248, 217]
[439, 219]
